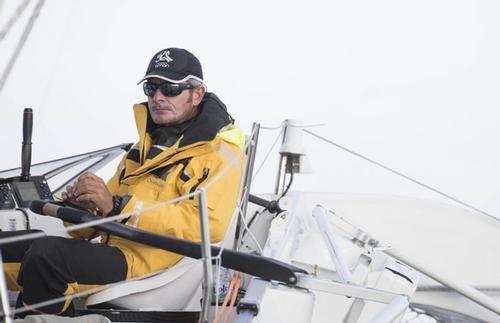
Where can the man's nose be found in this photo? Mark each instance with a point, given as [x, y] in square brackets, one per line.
[158, 96]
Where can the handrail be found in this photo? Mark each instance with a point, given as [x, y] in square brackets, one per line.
[247, 181]
[250, 164]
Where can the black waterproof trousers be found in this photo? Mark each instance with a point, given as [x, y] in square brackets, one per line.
[52, 267]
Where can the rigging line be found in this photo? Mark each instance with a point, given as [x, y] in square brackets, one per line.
[186, 196]
[403, 176]
[307, 125]
[233, 160]
[268, 153]
[20, 44]
[293, 126]
[218, 258]
[271, 127]
[128, 214]
[80, 226]
[13, 19]
[231, 223]
[247, 229]
[121, 216]
[95, 222]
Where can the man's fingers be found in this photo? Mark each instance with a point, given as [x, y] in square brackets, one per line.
[87, 197]
[89, 177]
[85, 188]
[90, 183]
[87, 201]
[69, 193]
[91, 188]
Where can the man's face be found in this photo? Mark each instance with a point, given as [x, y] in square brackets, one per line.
[167, 111]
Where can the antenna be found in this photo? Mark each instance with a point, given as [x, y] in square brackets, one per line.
[26, 148]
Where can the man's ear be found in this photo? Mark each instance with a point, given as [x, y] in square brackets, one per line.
[198, 94]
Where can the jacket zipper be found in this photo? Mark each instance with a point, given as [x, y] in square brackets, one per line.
[200, 180]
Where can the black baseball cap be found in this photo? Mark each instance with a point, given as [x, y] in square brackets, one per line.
[174, 65]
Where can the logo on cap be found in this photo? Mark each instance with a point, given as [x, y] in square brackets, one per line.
[164, 57]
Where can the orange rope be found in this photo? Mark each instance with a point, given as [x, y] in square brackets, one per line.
[226, 299]
[235, 294]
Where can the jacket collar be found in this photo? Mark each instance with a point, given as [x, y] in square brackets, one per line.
[212, 117]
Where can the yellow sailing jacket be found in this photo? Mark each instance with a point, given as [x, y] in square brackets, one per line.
[209, 146]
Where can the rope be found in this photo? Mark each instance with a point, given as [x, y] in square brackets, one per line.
[75, 227]
[232, 161]
[307, 125]
[13, 19]
[235, 295]
[247, 229]
[289, 125]
[84, 225]
[268, 153]
[134, 213]
[218, 257]
[272, 127]
[404, 176]
[226, 299]
[20, 44]
[233, 289]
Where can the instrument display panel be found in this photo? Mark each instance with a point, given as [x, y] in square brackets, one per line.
[27, 191]
[23, 192]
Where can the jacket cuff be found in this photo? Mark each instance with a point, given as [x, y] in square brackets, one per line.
[119, 203]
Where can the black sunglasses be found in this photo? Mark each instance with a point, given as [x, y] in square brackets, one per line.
[167, 89]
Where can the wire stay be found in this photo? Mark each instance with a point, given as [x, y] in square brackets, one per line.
[435, 190]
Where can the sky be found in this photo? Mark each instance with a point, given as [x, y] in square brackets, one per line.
[411, 84]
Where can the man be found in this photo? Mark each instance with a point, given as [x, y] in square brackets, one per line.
[186, 139]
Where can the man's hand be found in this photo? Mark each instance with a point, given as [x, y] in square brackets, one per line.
[89, 192]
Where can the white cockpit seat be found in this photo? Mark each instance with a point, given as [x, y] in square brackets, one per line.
[177, 288]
